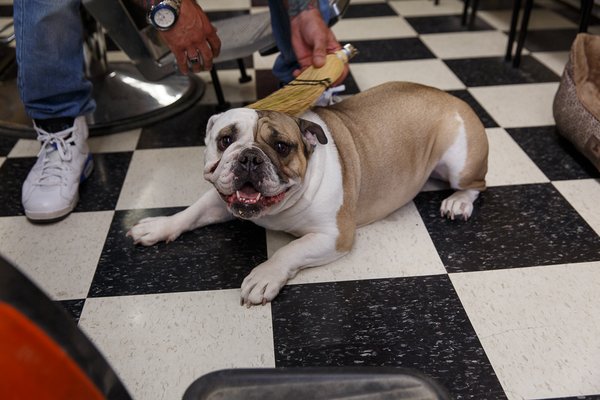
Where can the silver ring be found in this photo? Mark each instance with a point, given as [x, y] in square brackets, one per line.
[195, 60]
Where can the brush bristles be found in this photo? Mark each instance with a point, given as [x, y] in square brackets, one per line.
[302, 93]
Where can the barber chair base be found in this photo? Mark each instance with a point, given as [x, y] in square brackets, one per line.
[124, 100]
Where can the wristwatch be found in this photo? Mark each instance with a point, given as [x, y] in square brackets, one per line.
[163, 15]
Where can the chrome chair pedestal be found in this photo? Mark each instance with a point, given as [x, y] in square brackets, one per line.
[128, 95]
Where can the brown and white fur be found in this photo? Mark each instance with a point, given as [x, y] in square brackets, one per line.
[336, 168]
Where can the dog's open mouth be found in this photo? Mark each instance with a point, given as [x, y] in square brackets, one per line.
[247, 195]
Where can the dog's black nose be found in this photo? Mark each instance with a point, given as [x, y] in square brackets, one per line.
[251, 159]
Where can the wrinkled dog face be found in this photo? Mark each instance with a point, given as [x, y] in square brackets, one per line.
[255, 158]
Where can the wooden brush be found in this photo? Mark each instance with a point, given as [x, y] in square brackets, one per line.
[301, 94]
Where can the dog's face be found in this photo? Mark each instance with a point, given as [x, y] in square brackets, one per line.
[255, 159]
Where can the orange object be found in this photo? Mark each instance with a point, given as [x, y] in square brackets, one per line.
[34, 366]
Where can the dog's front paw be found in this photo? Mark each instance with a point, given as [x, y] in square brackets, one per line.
[263, 284]
[459, 204]
[149, 231]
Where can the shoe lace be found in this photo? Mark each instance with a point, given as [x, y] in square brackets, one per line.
[56, 152]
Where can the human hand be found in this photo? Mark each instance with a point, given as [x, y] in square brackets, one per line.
[312, 40]
[193, 37]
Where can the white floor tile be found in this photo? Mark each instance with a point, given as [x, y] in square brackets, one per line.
[418, 8]
[428, 72]
[555, 60]
[164, 178]
[60, 257]
[5, 21]
[160, 344]
[583, 196]
[466, 44]
[2, 160]
[117, 57]
[372, 28]
[518, 105]
[508, 164]
[265, 62]
[25, 148]
[396, 246]
[536, 326]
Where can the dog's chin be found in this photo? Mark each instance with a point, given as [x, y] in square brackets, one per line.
[247, 203]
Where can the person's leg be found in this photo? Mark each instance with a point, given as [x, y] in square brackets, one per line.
[55, 93]
[49, 41]
[286, 62]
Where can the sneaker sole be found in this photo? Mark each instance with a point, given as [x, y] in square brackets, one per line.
[52, 216]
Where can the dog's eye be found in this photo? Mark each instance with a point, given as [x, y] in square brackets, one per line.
[283, 149]
[224, 142]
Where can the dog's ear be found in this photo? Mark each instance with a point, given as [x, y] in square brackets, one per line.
[311, 132]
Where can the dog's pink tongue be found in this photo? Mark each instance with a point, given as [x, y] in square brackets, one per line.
[248, 195]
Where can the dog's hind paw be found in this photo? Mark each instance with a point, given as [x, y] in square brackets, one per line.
[459, 204]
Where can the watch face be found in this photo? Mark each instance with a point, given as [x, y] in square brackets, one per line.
[164, 17]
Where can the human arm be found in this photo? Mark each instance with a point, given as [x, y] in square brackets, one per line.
[311, 38]
[192, 36]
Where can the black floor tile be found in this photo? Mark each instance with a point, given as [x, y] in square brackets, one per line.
[214, 257]
[550, 39]
[445, 24]
[6, 10]
[101, 190]
[6, 144]
[12, 175]
[495, 71]
[369, 10]
[512, 226]
[110, 44]
[350, 84]
[185, 129]
[416, 323]
[390, 50]
[73, 307]
[497, 5]
[483, 115]
[554, 155]
[266, 83]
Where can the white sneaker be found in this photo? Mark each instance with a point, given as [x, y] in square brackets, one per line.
[51, 189]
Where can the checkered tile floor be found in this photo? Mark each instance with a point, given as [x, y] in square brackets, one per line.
[503, 306]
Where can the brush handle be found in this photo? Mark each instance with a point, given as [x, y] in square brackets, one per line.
[346, 52]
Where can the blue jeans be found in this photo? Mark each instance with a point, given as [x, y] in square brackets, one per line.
[49, 40]
[286, 62]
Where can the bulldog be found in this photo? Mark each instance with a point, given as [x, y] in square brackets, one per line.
[334, 169]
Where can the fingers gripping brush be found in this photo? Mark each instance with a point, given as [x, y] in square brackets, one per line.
[301, 94]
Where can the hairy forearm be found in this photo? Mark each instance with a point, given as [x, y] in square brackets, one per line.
[295, 7]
